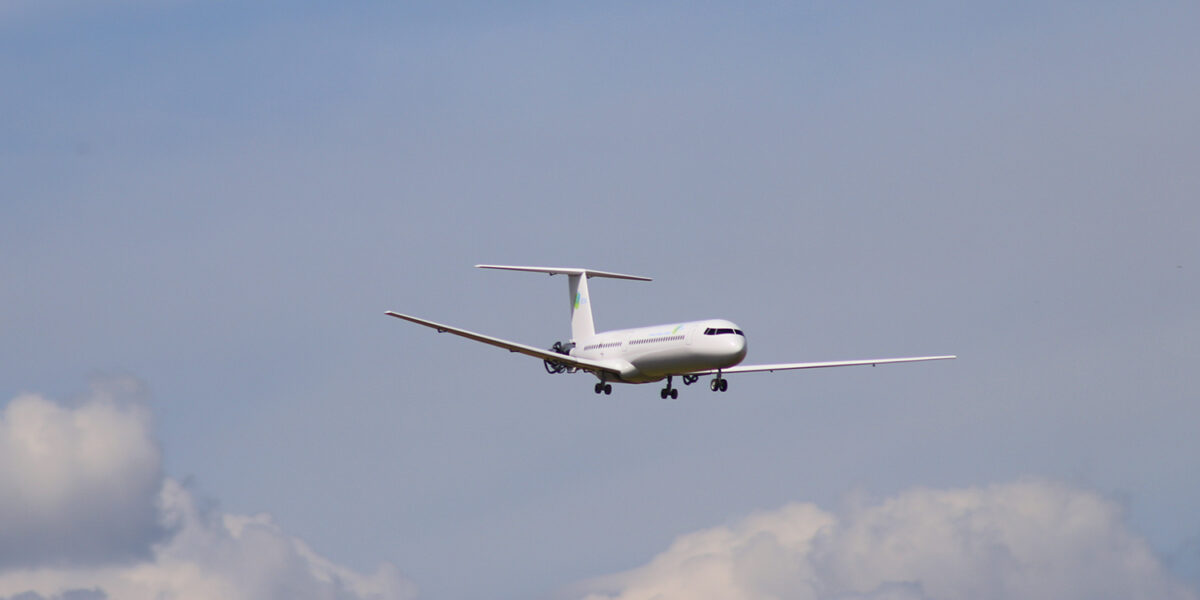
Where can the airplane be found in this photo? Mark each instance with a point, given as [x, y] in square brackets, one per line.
[688, 350]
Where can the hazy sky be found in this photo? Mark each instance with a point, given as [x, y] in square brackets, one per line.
[207, 206]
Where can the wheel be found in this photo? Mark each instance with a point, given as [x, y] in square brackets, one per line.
[662, 393]
[674, 394]
[599, 388]
[724, 384]
[715, 385]
[607, 389]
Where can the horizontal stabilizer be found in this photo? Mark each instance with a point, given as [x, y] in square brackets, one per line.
[566, 271]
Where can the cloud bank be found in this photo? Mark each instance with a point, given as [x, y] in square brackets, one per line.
[85, 512]
[1026, 540]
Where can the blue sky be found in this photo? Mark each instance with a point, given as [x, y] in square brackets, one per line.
[219, 201]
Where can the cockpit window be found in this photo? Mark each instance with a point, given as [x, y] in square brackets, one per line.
[723, 330]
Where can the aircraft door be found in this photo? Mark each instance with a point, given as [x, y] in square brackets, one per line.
[689, 333]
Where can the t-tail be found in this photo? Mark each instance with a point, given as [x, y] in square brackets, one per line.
[582, 326]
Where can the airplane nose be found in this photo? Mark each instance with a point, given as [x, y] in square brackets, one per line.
[739, 347]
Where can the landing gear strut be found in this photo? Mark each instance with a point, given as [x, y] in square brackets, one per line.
[603, 388]
[718, 384]
[669, 391]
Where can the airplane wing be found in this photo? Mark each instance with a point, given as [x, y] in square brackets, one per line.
[578, 363]
[818, 365]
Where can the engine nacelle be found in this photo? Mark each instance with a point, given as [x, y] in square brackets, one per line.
[553, 366]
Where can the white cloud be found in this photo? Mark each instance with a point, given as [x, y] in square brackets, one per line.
[86, 513]
[77, 486]
[83, 489]
[1027, 540]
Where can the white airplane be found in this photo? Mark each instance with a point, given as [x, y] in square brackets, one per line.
[689, 350]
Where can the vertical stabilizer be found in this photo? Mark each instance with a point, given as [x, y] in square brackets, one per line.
[582, 326]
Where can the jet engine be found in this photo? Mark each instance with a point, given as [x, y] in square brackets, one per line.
[553, 366]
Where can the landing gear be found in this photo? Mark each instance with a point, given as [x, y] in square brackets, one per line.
[690, 379]
[603, 388]
[669, 391]
[718, 384]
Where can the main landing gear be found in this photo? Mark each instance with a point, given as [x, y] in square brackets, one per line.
[669, 391]
[718, 384]
[603, 388]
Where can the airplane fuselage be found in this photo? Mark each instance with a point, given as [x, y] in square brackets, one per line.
[648, 354]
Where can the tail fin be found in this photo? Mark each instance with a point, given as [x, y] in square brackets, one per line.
[581, 308]
[581, 303]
